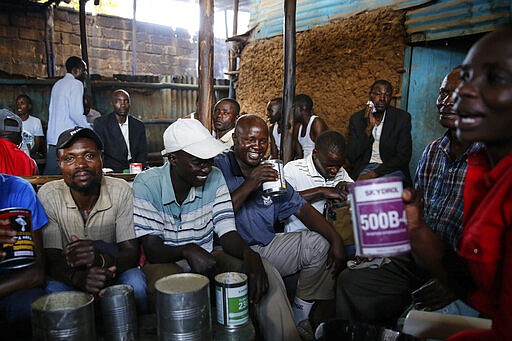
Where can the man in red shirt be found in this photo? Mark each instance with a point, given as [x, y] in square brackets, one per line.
[13, 160]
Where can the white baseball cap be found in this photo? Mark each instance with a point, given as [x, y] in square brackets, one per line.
[191, 136]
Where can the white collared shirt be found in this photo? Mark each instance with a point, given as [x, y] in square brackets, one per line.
[302, 175]
[376, 132]
[125, 132]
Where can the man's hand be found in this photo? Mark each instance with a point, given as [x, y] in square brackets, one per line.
[97, 278]
[342, 188]
[369, 119]
[332, 193]
[413, 210]
[200, 260]
[6, 234]
[336, 258]
[257, 277]
[260, 174]
[80, 252]
[432, 296]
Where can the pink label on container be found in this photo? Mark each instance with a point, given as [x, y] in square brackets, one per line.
[378, 213]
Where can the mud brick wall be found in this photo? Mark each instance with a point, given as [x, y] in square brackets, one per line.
[335, 64]
[160, 49]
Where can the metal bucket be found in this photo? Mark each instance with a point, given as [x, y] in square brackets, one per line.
[183, 307]
[67, 315]
[119, 313]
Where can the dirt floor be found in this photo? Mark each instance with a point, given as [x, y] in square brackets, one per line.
[335, 64]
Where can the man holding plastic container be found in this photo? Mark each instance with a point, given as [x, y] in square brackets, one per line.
[314, 254]
[381, 295]
[20, 287]
[180, 206]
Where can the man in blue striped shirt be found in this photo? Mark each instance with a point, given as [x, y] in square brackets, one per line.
[180, 206]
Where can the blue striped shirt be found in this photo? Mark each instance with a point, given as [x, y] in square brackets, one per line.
[206, 209]
[440, 181]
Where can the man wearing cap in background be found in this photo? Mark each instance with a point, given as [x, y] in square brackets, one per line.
[178, 207]
[13, 160]
[89, 240]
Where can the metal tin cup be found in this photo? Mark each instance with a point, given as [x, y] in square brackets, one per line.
[118, 312]
[277, 187]
[183, 307]
[232, 300]
[378, 216]
[20, 253]
[64, 316]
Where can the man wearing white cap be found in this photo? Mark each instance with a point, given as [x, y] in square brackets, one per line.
[178, 207]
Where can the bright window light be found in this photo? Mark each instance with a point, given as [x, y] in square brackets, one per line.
[176, 14]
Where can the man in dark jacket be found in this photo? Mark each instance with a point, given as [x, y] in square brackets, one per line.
[379, 140]
[123, 135]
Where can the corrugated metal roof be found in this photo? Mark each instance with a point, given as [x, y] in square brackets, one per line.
[453, 18]
[268, 15]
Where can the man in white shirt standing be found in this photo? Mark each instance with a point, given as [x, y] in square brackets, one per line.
[66, 108]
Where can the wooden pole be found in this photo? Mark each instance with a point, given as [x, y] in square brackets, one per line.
[232, 54]
[49, 40]
[205, 98]
[83, 42]
[235, 17]
[286, 151]
[134, 39]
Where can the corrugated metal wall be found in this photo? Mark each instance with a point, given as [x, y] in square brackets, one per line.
[455, 18]
[268, 15]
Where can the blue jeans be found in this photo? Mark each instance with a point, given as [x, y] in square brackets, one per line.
[134, 277]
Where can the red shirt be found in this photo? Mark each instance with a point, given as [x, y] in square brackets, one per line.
[14, 161]
[486, 243]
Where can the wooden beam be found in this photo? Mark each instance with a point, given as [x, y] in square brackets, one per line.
[83, 42]
[205, 96]
[286, 151]
[134, 39]
[49, 41]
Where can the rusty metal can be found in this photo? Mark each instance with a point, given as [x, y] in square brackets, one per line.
[278, 186]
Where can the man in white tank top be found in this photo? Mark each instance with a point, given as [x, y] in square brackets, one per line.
[303, 117]
[274, 116]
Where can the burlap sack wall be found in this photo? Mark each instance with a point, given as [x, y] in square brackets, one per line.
[336, 65]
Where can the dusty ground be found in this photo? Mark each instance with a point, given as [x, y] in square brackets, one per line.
[336, 64]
